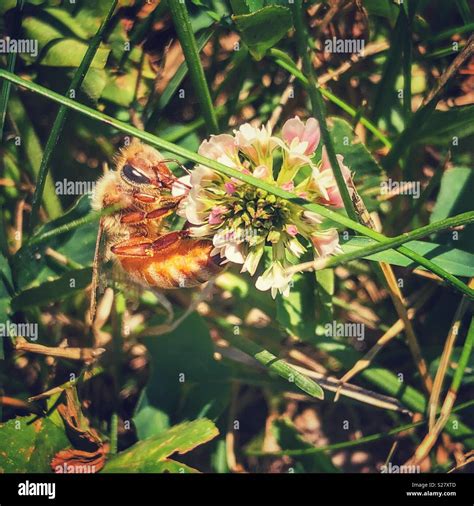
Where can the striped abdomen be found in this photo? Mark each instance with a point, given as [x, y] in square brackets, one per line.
[183, 264]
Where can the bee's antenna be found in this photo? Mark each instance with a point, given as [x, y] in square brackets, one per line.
[171, 160]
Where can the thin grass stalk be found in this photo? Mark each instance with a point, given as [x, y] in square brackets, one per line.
[356, 442]
[389, 243]
[285, 62]
[271, 362]
[6, 86]
[60, 119]
[444, 362]
[318, 106]
[183, 27]
[430, 439]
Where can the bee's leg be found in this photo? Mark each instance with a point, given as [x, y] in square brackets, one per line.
[138, 247]
[168, 202]
[131, 217]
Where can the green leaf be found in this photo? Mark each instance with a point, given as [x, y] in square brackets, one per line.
[443, 126]
[33, 152]
[288, 438]
[27, 444]
[246, 6]
[5, 288]
[356, 155]
[262, 29]
[454, 261]
[324, 293]
[385, 95]
[186, 382]
[51, 291]
[67, 20]
[32, 266]
[120, 89]
[270, 361]
[454, 197]
[149, 455]
[70, 53]
[296, 312]
[383, 8]
[6, 5]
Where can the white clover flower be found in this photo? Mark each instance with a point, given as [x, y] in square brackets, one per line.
[246, 223]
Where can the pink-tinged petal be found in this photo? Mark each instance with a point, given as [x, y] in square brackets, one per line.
[221, 148]
[326, 242]
[292, 230]
[334, 196]
[289, 186]
[307, 134]
[293, 128]
[215, 217]
[311, 135]
[229, 187]
[326, 164]
[312, 218]
[261, 172]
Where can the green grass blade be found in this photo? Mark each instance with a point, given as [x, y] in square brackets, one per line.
[5, 90]
[173, 85]
[273, 363]
[464, 358]
[356, 442]
[460, 219]
[62, 114]
[32, 152]
[182, 24]
[318, 107]
[285, 62]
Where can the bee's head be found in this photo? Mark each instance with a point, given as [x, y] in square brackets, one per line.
[142, 166]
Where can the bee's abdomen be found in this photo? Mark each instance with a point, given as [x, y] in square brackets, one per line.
[184, 264]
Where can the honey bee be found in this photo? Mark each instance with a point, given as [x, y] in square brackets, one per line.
[137, 237]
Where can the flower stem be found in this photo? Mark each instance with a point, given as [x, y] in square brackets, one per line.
[391, 243]
[318, 107]
[285, 62]
[183, 27]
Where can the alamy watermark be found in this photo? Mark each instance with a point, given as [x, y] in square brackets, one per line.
[346, 46]
[402, 469]
[27, 330]
[338, 329]
[228, 235]
[67, 187]
[400, 188]
[19, 46]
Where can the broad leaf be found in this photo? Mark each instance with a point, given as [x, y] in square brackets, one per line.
[455, 261]
[27, 444]
[455, 197]
[262, 29]
[150, 454]
[297, 311]
[33, 267]
[186, 382]
[447, 127]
